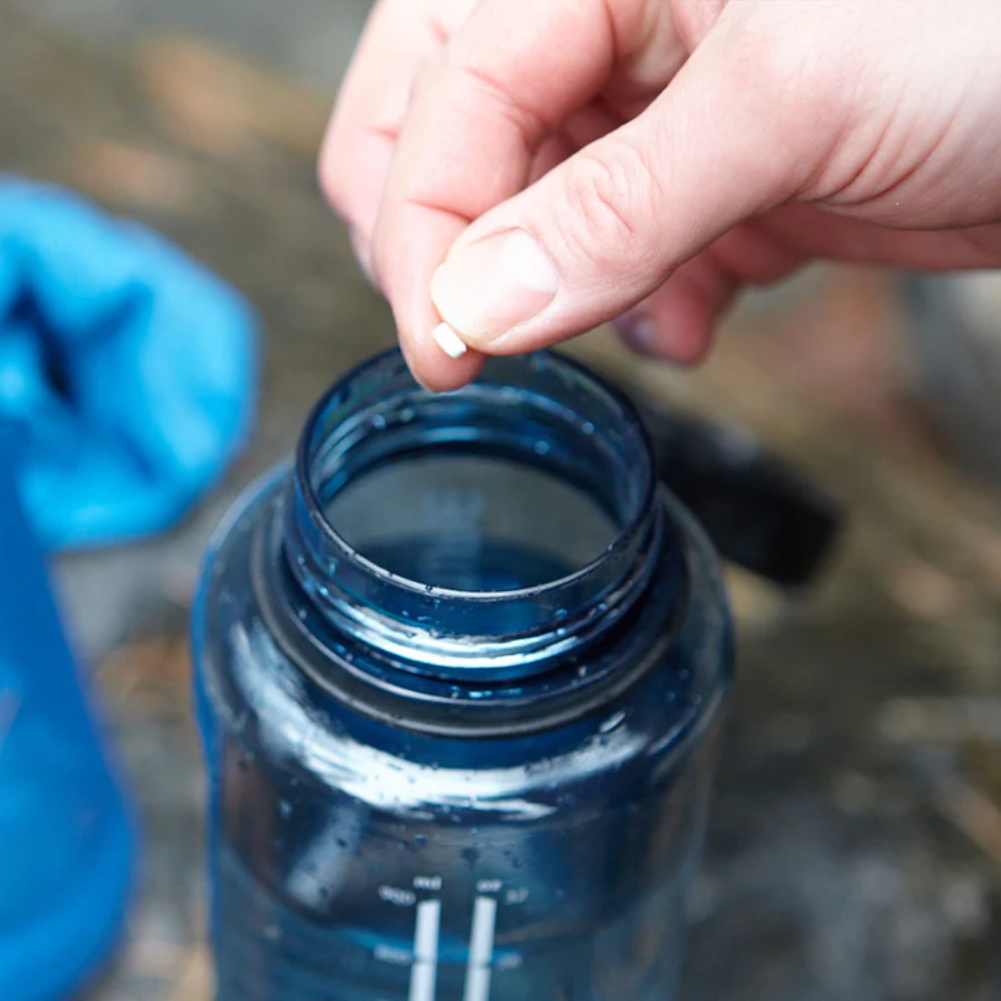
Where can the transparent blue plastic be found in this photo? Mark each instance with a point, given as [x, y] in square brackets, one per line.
[66, 838]
[460, 674]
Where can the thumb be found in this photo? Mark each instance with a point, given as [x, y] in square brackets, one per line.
[729, 138]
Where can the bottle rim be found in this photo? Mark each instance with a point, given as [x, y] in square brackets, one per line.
[388, 609]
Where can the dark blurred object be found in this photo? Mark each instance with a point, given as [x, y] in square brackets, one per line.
[759, 512]
[953, 324]
[127, 369]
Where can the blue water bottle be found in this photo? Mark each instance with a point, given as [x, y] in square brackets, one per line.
[461, 671]
[66, 838]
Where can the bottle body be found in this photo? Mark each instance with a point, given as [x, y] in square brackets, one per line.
[388, 825]
[66, 836]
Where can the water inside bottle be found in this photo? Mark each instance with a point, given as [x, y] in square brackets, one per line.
[471, 523]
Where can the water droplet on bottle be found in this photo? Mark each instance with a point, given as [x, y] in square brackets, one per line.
[587, 428]
[541, 447]
[561, 632]
[471, 855]
[418, 843]
[285, 808]
[612, 722]
[561, 614]
[378, 422]
[272, 932]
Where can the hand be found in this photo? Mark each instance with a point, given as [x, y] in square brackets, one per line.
[574, 160]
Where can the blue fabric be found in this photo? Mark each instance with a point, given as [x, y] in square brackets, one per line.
[128, 368]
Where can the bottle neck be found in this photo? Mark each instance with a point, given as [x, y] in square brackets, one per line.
[586, 469]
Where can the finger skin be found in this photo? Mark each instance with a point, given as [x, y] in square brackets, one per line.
[662, 155]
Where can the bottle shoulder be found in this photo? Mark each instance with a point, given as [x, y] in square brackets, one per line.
[259, 698]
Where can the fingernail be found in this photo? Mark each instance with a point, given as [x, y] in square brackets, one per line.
[639, 330]
[449, 341]
[484, 290]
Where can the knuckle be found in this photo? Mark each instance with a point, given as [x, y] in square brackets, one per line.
[608, 197]
[786, 66]
[493, 94]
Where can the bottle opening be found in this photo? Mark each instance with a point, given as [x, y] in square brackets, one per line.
[478, 525]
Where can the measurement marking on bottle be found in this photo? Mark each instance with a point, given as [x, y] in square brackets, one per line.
[481, 950]
[394, 895]
[425, 969]
[427, 931]
[390, 954]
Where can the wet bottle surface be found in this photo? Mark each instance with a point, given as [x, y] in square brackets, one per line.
[460, 673]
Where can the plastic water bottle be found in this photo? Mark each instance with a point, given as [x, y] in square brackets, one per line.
[461, 671]
[66, 838]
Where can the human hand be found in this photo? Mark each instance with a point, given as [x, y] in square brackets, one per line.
[576, 160]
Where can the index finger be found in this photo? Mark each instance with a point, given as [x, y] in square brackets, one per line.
[514, 72]
[400, 38]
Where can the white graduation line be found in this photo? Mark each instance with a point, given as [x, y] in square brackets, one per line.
[425, 969]
[481, 950]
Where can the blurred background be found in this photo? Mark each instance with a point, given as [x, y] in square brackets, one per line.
[855, 847]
